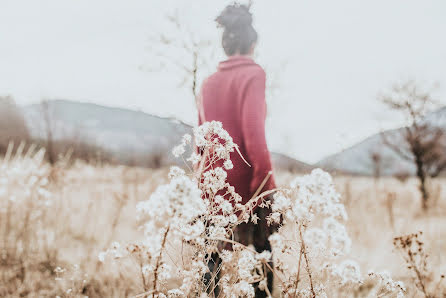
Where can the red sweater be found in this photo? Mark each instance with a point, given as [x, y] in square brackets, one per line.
[235, 96]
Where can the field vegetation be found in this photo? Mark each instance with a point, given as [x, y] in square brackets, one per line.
[76, 229]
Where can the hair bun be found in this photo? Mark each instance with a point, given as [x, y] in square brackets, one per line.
[235, 17]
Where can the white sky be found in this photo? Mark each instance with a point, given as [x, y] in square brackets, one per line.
[329, 58]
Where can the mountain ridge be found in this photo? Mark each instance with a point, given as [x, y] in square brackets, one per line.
[124, 132]
[357, 159]
[134, 134]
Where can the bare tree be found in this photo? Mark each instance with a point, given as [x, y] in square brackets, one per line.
[12, 124]
[49, 127]
[192, 52]
[420, 142]
[377, 164]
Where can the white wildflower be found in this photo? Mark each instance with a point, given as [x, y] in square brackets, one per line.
[246, 264]
[226, 207]
[339, 240]
[164, 272]
[280, 203]
[226, 256]
[243, 289]
[178, 150]
[316, 239]
[217, 232]
[233, 218]
[212, 135]
[195, 158]
[219, 199]
[264, 256]
[276, 241]
[187, 138]
[174, 206]
[228, 164]
[214, 180]
[176, 172]
[386, 285]
[315, 194]
[348, 272]
[192, 231]
[175, 293]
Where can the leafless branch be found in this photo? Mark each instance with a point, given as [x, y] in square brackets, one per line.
[422, 143]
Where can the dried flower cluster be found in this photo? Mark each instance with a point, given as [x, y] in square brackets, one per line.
[24, 199]
[193, 217]
[24, 176]
[412, 249]
[195, 214]
[386, 286]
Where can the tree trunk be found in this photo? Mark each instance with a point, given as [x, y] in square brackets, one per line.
[421, 174]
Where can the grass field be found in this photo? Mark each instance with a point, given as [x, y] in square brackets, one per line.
[50, 243]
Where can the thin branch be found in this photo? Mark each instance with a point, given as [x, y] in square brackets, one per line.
[395, 148]
[307, 263]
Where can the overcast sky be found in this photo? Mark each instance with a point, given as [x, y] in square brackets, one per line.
[329, 59]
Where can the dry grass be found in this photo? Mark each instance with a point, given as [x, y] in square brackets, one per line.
[93, 206]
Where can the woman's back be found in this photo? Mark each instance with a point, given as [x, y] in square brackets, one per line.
[235, 96]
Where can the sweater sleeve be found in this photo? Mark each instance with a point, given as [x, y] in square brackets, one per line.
[253, 129]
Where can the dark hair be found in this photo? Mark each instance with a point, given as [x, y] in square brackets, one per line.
[239, 35]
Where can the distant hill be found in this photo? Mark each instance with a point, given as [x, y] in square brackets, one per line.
[286, 163]
[358, 158]
[137, 138]
[131, 137]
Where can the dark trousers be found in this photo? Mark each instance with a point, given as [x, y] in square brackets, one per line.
[247, 234]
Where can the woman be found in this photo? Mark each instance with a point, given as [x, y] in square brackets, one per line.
[235, 96]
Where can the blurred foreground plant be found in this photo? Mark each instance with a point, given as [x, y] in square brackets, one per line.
[412, 249]
[193, 217]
